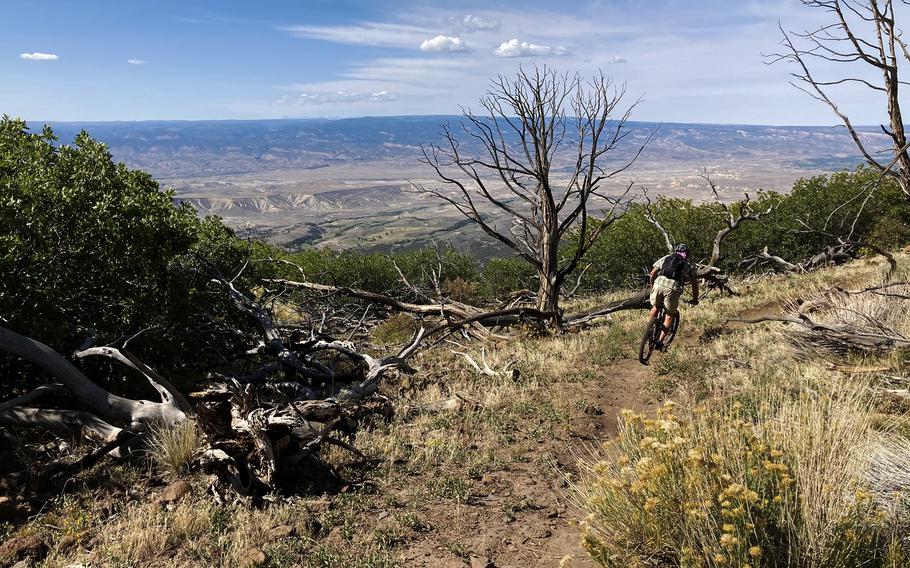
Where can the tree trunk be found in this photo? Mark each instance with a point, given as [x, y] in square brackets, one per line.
[548, 271]
[548, 294]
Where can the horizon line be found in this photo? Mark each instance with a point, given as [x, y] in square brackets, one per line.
[405, 116]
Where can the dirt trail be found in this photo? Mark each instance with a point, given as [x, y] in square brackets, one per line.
[520, 516]
[539, 532]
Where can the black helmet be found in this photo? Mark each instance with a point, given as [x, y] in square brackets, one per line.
[682, 247]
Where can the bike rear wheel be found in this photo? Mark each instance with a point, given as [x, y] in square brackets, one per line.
[649, 339]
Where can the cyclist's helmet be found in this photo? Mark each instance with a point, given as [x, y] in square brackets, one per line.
[682, 249]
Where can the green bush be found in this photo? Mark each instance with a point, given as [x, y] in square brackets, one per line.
[89, 245]
[833, 205]
[84, 242]
[377, 272]
[504, 275]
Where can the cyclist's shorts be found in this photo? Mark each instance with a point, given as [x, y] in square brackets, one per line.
[667, 296]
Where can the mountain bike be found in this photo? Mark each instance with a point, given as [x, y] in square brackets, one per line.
[649, 340]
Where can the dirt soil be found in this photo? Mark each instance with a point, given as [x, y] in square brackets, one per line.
[539, 532]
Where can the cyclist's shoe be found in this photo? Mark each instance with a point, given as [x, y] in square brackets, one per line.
[659, 346]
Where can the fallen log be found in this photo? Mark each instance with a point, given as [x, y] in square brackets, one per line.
[138, 413]
[838, 336]
[639, 301]
[445, 308]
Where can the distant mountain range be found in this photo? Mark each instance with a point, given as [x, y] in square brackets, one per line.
[346, 183]
[181, 149]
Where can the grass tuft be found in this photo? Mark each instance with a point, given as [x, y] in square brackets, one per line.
[172, 449]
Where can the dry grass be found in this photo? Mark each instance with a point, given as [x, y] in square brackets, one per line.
[773, 460]
[785, 484]
[172, 449]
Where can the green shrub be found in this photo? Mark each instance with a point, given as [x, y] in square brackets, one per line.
[502, 276]
[84, 242]
[87, 244]
[377, 272]
[827, 203]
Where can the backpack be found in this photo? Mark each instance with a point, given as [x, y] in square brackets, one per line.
[673, 267]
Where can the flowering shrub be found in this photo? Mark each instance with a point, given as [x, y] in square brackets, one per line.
[720, 489]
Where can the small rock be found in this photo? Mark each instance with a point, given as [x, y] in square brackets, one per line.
[546, 533]
[253, 557]
[22, 548]
[487, 479]
[281, 531]
[22, 564]
[174, 492]
[592, 410]
[482, 562]
[383, 514]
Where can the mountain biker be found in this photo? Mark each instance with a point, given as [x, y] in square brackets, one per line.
[667, 278]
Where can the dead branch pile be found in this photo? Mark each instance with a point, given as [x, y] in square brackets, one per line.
[873, 320]
[835, 254]
[261, 427]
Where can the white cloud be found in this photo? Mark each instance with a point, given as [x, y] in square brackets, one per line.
[471, 23]
[411, 72]
[515, 48]
[135, 61]
[617, 59]
[335, 97]
[367, 33]
[443, 43]
[38, 56]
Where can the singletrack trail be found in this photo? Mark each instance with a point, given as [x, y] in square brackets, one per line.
[540, 532]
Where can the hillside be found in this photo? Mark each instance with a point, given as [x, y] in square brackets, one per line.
[494, 475]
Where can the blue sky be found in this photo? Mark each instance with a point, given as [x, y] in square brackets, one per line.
[691, 60]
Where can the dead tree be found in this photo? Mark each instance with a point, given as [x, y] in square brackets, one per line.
[138, 414]
[535, 121]
[107, 418]
[864, 37]
[841, 322]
